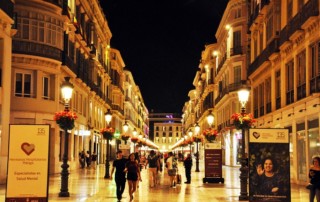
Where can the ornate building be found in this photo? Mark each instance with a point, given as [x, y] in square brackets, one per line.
[57, 39]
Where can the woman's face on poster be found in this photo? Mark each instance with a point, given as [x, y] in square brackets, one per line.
[268, 165]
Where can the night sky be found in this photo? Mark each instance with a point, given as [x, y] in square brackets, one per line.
[161, 42]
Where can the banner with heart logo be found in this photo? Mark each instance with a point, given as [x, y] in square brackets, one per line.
[27, 148]
[269, 163]
[28, 163]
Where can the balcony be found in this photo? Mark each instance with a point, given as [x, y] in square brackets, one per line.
[310, 9]
[231, 88]
[36, 49]
[223, 59]
[272, 47]
[315, 85]
[257, 10]
[238, 50]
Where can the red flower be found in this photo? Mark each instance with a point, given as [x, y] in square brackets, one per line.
[107, 130]
[210, 132]
[242, 120]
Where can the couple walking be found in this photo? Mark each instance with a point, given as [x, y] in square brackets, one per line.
[123, 167]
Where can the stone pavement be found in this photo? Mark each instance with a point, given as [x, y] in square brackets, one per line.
[89, 185]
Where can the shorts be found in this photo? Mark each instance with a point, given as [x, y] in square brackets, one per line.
[132, 176]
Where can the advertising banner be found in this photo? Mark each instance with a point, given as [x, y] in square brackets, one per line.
[269, 165]
[28, 162]
[213, 162]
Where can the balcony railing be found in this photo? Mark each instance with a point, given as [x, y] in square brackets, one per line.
[42, 50]
[238, 50]
[257, 10]
[311, 8]
[315, 84]
[290, 97]
[301, 91]
[56, 2]
[273, 47]
[232, 87]
[223, 59]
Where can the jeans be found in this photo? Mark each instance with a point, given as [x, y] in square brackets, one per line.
[188, 174]
[314, 193]
[121, 185]
[153, 176]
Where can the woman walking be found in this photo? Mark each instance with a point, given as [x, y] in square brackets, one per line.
[133, 174]
[172, 169]
[314, 175]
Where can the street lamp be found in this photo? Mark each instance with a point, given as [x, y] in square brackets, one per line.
[66, 91]
[190, 136]
[243, 95]
[210, 118]
[197, 130]
[134, 132]
[108, 117]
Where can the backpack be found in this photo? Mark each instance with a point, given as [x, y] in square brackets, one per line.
[152, 161]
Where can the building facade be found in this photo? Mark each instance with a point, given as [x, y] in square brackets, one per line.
[284, 75]
[165, 129]
[43, 42]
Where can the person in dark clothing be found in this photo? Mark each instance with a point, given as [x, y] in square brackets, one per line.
[120, 176]
[188, 165]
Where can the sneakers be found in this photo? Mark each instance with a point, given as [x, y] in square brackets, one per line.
[187, 182]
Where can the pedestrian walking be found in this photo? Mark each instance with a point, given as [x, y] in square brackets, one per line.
[94, 160]
[187, 166]
[119, 166]
[133, 174]
[88, 159]
[314, 175]
[82, 159]
[172, 169]
[153, 163]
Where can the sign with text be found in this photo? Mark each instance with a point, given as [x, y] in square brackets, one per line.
[213, 160]
[269, 165]
[28, 163]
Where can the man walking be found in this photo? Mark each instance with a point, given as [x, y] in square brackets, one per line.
[153, 163]
[187, 165]
[120, 176]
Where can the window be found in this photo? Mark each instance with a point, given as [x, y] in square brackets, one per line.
[315, 67]
[23, 85]
[255, 102]
[237, 13]
[40, 28]
[289, 81]
[45, 88]
[268, 95]
[236, 43]
[261, 99]
[278, 89]
[270, 29]
[301, 75]
[237, 74]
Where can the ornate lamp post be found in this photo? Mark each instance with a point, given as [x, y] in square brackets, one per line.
[66, 90]
[243, 95]
[197, 130]
[210, 118]
[190, 136]
[108, 117]
[134, 132]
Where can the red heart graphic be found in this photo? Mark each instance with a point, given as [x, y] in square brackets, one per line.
[256, 135]
[27, 148]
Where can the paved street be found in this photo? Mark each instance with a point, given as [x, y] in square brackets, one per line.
[89, 185]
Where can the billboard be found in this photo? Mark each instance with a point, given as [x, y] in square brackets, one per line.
[28, 163]
[269, 165]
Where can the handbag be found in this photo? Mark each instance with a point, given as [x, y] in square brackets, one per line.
[172, 172]
[310, 186]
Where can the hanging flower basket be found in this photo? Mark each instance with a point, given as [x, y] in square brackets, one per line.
[242, 120]
[210, 134]
[125, 138]
[65, 119]
[107, 133]
[134, 139]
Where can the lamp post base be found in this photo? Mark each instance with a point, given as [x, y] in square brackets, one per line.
[197, 165]
[64, 191]
[107, 175]
[243, 181]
